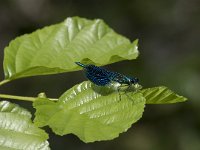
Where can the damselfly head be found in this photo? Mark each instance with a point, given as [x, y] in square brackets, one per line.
[134, 80]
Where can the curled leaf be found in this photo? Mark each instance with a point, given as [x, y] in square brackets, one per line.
[54, 49]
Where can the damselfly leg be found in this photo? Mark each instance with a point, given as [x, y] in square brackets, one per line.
[128, 88]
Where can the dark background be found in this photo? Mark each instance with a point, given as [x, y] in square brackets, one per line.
[169, 44]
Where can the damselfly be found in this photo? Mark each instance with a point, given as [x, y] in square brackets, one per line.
[103, 77]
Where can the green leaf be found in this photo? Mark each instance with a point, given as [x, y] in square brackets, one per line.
[54, 49]
[17, 130]
[161, 95]
[90, 112]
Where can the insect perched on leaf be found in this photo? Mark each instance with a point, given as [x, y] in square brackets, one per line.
[103, 77]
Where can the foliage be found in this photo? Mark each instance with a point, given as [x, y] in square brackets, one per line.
[92, 113]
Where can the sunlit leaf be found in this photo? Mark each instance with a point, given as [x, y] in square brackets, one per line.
[54, 49]
[17, 130]
[92, 113]
[161, 95]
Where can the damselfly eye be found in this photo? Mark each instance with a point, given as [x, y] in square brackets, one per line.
[134, 80]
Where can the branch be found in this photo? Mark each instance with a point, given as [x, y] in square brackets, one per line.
[4, 82]
[23, 98]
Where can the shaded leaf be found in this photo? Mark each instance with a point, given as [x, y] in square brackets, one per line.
[17, 130]
[161, 95]
[90, 112]
[54, 49]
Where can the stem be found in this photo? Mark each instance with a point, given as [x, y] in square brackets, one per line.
[23, 98]
[4, 82]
